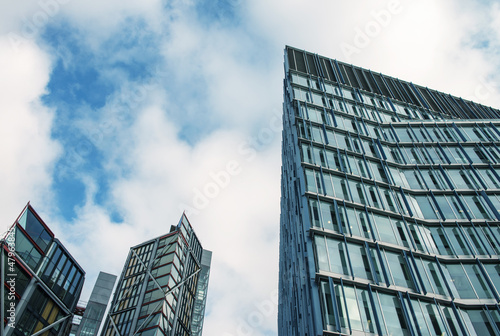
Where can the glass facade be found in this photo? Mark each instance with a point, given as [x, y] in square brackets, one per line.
[96, 307]
[158, 290]
[390, 206]
[42, 281]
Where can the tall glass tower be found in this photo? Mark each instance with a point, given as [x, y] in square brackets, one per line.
[390, 206]
[41, 280]
[163, 286]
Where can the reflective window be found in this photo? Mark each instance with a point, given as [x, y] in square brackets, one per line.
[489, 178]
[493, 271]
[393, 315]
[476, 207]
[399, 270]
[460, 282]
[427, 207]
[478, 323]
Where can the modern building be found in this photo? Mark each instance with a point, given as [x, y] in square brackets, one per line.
[41, 280]
[163, 286]
[390, 206]
[201, 294]
[96, 306]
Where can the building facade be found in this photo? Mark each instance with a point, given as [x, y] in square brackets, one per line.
[390, 206]
[41, 280]
[159, 287]
[96, 306]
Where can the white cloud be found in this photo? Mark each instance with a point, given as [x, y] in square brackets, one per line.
[27, 151]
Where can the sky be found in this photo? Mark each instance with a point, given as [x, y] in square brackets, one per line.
[116, 116]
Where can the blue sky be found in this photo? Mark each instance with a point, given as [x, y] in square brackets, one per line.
[118, 115]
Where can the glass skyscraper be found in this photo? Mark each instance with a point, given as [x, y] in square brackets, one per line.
[390, 206]
[96, 306]
[41, 280]
[163, 286]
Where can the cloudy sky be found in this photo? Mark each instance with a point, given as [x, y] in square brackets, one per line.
[117, 115]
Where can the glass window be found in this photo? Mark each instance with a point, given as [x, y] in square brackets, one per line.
[353, 309]
[27, 250]
[489, 178]
[457, 240]
[433, 318]
[321, 253]
[399, 270]
[384, 228]
[354, 228]
[333, 160]
[456, 155]
[478, 282]
[493, 271]
[402, 234]
[390, 202]
[451, 320]
[306, 154]
[391, 309]
[478, 323]
[477, 238]
[340, 187]
[337, 254]
[427, 207]
[446, 208]
[310, 180]
[317, 134]
[450, 134]
[462, 179]
[319, 156]
[421, 324]
[404, 134]
[477, 207]
[313, 205]
[440, 241]
[490, 234]
[359, 261]
[460, 282]
[328, 184]
[339, 295]
[328, 217]
[434, 179]
[477, 155]
[399, 177]
[35, 229]
[327, 306]
[357, 190]
[373, 196]
[414, 179]
[365, 309]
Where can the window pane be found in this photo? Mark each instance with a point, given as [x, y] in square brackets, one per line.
[400, 272]
[426, 207]
[337, 254]
[321, 253]
[480, 324]
[478, 281]
[384, 228]
[457, 241]
[460, 282]
[359, 261]
[365, 308]
[494, 274]
[352, 308]
[392, 309]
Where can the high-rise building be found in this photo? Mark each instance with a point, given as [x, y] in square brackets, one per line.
[96, 306]
[390, 206]
[41, 280]
[162, 285]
